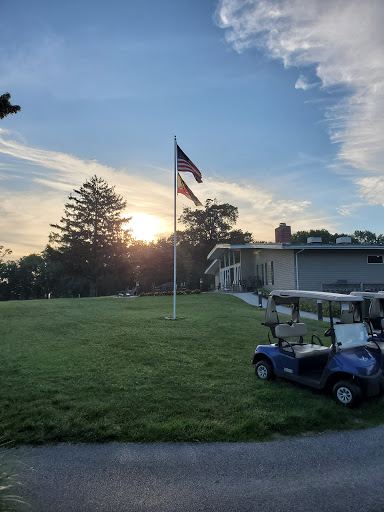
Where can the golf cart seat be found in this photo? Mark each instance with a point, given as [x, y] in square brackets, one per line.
[291, 330]
[299, 350]
[377, 343]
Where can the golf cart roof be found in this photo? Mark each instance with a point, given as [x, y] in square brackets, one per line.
[369, 295]
[285, 296]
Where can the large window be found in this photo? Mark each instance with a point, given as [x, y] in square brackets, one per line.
[375, 259]
[265, 273]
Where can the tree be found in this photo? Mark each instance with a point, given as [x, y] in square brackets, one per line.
[152, 263]
[90, 238]
[5, 106]
[238, 237]
[4, 273]
[9, 285]
[301, 236]
[367, 237]
[210, 225]
[30, 277]
[357, 237]
[3, 252]
[204, 229]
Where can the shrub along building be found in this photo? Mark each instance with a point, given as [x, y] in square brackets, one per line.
[338, 267]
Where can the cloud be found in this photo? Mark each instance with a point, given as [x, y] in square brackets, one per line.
[261, 211]
[302, 83]
[350, 210]
[372, 189]
[343, 41]
[48, 177]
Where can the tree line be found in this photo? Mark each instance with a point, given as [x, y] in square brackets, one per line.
[91, 251]
[357, 237]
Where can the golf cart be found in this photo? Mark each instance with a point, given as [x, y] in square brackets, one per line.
[373, 316]
[346, 368]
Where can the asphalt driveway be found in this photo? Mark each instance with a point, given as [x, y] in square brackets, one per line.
[338, 472]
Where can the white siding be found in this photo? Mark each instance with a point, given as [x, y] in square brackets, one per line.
[283, 267]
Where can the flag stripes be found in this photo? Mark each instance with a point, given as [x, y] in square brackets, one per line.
[184, 164]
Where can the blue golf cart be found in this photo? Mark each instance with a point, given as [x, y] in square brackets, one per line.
[347, 368]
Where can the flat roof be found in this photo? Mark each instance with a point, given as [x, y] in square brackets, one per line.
[213, 267]
[220, 249]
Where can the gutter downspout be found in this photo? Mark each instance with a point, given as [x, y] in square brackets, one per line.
[297, 268]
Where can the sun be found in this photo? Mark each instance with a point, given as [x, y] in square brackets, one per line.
[145, 227]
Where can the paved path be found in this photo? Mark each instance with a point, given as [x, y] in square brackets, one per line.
[253, 299]
[339, 472]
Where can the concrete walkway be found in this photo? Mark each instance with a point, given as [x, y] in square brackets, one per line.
[253, 299]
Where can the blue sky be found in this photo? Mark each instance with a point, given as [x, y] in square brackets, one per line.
[279, 103]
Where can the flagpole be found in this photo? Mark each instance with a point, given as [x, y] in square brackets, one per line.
[174, 231]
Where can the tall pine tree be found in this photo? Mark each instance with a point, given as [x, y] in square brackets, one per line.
[90, 237]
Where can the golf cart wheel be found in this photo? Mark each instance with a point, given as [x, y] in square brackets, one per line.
[264, 370]
[347, 393]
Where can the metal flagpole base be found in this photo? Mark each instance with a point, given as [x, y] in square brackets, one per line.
[173, 318]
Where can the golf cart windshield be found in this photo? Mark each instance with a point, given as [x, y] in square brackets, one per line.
[351, 335]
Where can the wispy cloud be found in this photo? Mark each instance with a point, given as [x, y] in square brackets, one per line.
[372, 189]
[302, 83]
[36, 63]
[343, 42]
[49, 177]
[350, 209]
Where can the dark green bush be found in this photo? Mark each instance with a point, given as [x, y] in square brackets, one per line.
[162, 294]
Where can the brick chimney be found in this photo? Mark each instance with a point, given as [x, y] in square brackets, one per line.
[283, 234]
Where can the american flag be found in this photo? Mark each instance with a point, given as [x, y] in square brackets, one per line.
[184, 164]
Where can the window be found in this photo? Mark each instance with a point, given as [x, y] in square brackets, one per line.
[375, 259]
[270, 273]
[237, 256]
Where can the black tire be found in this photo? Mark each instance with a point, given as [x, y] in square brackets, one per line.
[347, 393]
[264, 370]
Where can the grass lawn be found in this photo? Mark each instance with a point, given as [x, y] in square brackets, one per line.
[108, 369]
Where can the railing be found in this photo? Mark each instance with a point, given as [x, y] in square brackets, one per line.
[230, 288]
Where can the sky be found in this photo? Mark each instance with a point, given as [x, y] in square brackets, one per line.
[279, 103]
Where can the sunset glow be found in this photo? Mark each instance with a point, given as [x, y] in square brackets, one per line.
[145, 227]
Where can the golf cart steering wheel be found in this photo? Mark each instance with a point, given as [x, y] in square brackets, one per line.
[328, 332]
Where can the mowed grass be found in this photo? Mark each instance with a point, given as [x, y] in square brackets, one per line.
[108, 369]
